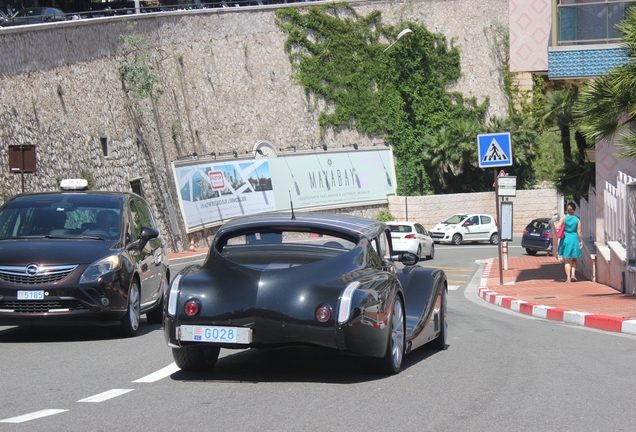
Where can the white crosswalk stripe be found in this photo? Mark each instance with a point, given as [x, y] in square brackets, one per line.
[32, 416]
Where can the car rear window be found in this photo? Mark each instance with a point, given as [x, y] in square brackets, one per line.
[401, 228]
[290, 238]
[269, 250]
[539, 224]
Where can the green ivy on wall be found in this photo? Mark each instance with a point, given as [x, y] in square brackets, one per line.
[137, 67]
[399, 94]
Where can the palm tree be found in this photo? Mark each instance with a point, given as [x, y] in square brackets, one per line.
[607, 106]
[557, 111]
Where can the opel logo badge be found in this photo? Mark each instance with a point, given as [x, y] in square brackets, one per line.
[32, 270]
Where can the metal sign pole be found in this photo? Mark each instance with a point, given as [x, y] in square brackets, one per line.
[498, 225]
[22, 165]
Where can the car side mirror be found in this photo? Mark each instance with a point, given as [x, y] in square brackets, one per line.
[146, 234]
[406, 258]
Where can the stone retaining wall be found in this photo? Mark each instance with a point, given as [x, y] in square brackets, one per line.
[226, 85]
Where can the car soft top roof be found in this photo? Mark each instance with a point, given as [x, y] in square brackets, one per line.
[352, 225]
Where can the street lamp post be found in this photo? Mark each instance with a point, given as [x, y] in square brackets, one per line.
[400, 35]
[406, 197]
[403, 33]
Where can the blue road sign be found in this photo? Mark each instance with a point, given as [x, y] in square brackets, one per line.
[494, 150]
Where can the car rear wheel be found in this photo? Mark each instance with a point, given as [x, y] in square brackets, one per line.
[439, 343]
[494, 239]
[431, 255]
[391, 363]
[195, 358]
[419, 251]
[129, 324]
[457, 239]
[531, 251]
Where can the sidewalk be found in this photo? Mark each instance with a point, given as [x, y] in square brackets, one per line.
[535, 285]
[175, 257]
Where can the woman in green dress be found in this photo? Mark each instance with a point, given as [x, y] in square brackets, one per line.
[571, 243]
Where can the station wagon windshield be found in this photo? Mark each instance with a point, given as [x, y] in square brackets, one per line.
[61, 215]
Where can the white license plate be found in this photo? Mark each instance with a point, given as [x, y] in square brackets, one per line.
[30, 295]
[234, 335]
[535, 234]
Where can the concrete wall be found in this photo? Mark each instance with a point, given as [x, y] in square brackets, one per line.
[432, 209]
[226, 85]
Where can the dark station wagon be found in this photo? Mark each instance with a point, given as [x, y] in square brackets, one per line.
[80, 257]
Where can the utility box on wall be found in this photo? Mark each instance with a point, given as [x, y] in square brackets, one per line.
[22, 159]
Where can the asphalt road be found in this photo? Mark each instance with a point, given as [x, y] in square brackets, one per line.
[502, 371]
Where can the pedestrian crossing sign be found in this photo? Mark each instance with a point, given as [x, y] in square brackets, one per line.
[494, 150]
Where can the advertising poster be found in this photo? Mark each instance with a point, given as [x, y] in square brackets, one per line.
[211, 192]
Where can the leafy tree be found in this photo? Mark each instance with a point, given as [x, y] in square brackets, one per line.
[398, 93]
[607, 105]
[385, 216]
[557, 111]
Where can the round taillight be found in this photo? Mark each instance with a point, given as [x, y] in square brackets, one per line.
[191, 308]
[323, 314]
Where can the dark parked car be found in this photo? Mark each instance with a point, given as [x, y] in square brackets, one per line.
[537, 236]
[81, 257]
[316, 279]
[34, 15]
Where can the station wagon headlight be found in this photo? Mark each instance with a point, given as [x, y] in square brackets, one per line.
[100, 268]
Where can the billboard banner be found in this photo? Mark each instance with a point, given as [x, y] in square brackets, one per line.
[211, 191]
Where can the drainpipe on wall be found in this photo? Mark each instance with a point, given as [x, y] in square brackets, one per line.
[555, 20]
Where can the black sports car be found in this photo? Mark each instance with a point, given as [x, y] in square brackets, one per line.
[306, 279]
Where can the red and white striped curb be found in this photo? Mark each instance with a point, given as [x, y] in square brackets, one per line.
[601, 322]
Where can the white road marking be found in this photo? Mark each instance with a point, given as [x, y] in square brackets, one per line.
[106, 395]
[453, 287]
[33, 415]
[160, 374]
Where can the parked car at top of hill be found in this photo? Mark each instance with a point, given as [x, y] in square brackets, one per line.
[324, 280]
[34, 15]
[537, 236]
[466, 227]
[411, 237]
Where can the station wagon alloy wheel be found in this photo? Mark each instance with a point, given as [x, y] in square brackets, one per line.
[130, 323]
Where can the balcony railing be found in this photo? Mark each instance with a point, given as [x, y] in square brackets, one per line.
[581, 22]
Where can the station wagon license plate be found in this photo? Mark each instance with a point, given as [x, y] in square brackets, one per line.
[234, 335]
[30, 295]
